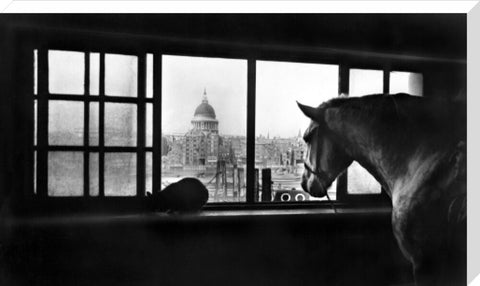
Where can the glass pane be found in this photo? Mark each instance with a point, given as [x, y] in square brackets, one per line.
[65, 122]
[120, 124]
[149, 75]
[66, 72]
[94, 73]
[204, 119]
[93, 169]
[121, 75]
[149, 125]
[35, 72]
[279, 144]
[148, 172]
[65, 174]
[120, 174]
[408, 82]
[93, 124]
[361, 182]
[363, 82]
[35, 108]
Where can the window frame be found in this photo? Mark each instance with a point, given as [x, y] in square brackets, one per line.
[87, 42]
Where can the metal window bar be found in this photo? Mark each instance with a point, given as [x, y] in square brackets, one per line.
[141, 132]
[86, 127]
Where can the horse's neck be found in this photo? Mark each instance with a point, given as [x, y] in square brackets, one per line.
[394, 167]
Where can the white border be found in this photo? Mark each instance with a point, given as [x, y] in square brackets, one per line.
[29, 6]
[473, 57]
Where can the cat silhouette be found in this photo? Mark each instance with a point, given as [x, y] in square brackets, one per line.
[186, 195]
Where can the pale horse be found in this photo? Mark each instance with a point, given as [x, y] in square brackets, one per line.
[415, 148]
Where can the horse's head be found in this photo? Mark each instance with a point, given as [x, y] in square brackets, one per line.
[324, 159]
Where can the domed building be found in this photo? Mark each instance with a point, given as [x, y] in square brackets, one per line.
[202, 141]
[204, 118]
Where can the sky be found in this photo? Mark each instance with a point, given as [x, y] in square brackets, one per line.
[279, 86]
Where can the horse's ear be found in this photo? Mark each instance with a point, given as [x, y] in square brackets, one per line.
[311, 112]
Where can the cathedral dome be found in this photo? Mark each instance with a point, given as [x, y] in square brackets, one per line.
[204, 110]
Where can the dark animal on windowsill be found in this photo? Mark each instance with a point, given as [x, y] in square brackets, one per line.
[185, 196]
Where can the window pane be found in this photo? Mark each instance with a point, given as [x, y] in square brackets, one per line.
[149, 125]
[65, 174]
[148, 172]
[279, 143]
[94, 73]
[93, 169]
[66, 72]
[204, 119]
[361, 182]
[120, 124]
[35, 72]
[93, 124]
[35, 108]
[120, 174]
[363, 82]
[407, 82]
[65, 122]
[149, 75]
[121, 75]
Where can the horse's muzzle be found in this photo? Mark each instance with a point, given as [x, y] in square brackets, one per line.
[312, 185]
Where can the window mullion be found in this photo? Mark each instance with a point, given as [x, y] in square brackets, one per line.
[251, 85]
[157, 122]
[86, 128]
[42, 133]
[101, 128]
[142, 79]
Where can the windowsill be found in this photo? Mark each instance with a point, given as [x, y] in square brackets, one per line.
[206, 215]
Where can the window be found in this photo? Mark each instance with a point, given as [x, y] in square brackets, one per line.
[408, 82]
[101, 130]
[92, 124]
[279, 144]
[204, 117]
[363, 82]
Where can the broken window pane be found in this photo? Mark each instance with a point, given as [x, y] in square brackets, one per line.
[279, 144]
[363, 82]
[120, 124]
[408, 82]
[121, 75]
[65, 122]
[204, 116]
[66, 72]
[65, 174]
[120, 174]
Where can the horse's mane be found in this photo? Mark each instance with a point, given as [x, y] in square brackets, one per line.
[398, 118]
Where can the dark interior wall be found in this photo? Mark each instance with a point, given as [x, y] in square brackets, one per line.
[253, 250]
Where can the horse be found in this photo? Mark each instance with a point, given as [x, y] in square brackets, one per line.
[415, 148]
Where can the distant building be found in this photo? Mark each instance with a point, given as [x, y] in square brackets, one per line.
[202, 141]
